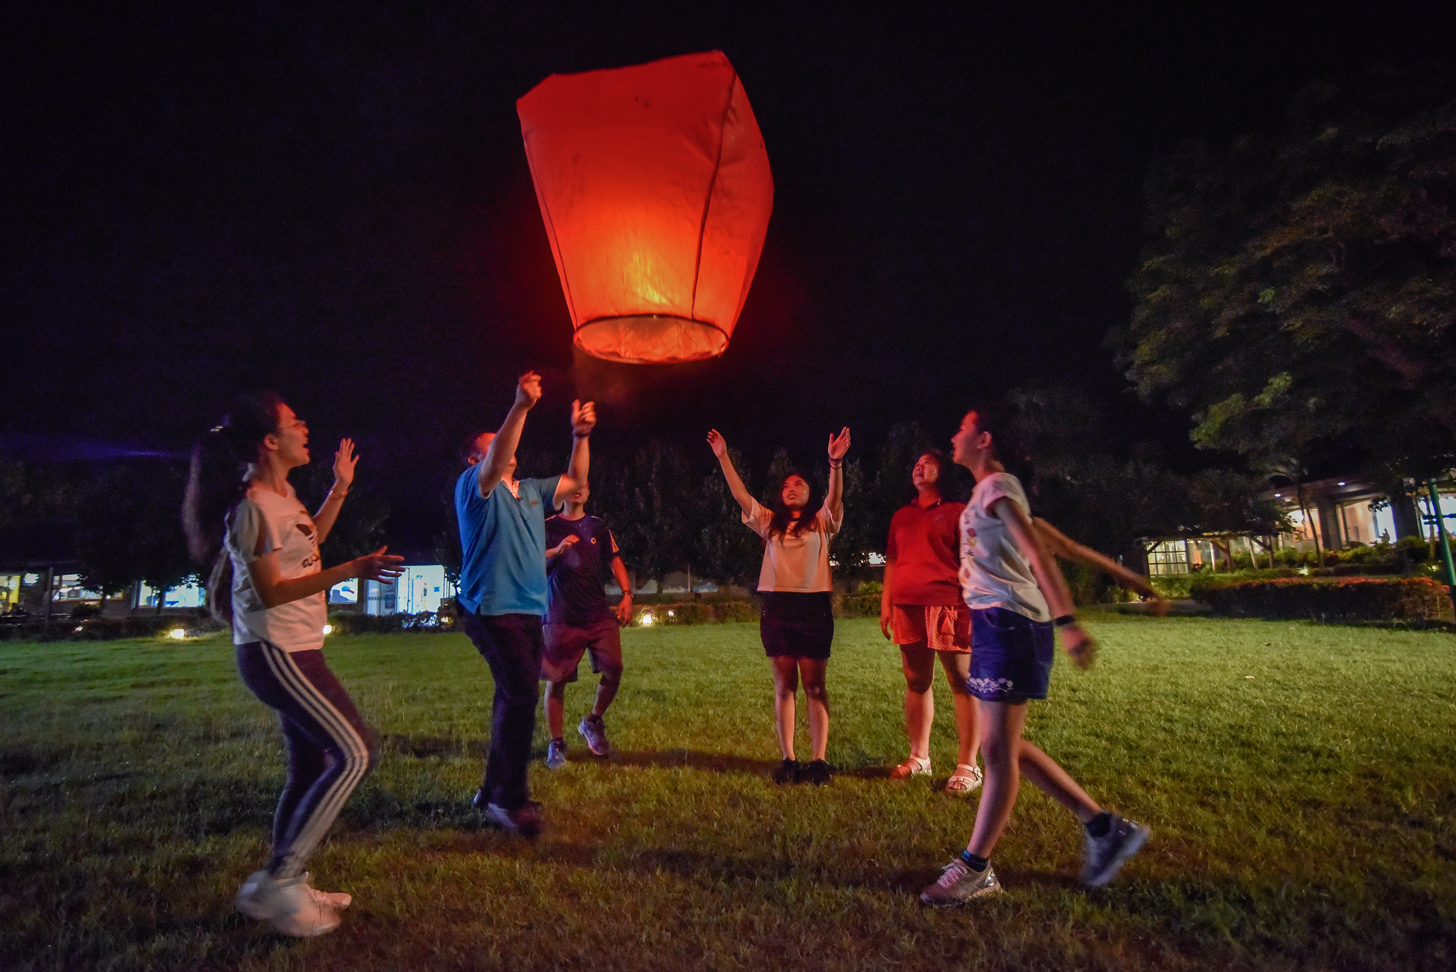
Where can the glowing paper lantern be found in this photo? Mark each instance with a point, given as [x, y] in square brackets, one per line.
[656, 192]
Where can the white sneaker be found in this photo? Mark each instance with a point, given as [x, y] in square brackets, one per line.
[959, 883]
[338, 900]
[291, 906]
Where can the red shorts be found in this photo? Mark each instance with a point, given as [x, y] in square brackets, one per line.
[566, 643]
[944, 627]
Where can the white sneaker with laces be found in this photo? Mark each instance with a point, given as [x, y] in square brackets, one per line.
[338, 900]
[290, 905]
[959, 883]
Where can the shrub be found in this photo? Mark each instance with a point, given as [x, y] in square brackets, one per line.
[1349, 599]
[348, 622]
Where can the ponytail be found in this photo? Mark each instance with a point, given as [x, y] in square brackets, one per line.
[215, 486]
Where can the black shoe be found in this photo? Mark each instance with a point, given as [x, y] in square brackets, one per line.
[787, 772]
[817, 772]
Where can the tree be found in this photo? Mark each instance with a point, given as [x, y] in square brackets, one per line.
[724, 549]
[1301, 293]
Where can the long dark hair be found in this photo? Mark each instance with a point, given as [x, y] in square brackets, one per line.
[1009, 445]
[215, 485]
[783, 523]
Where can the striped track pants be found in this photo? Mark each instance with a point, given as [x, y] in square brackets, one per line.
[330, 749]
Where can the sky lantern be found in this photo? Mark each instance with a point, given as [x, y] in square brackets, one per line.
[656, 192]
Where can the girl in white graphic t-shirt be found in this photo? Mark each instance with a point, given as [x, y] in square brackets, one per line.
[797, 624]
[269, 583]
[1011, 582]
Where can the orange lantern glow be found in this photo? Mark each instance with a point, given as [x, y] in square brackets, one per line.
[656, 192]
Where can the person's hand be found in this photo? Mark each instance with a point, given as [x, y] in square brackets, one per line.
[1159, 607]
[885, 615]
[379, 566]
[560, 548]
[1079, 645]
[624, 609]
[717, 443]
[583, 418]
[528, 389]
[839, 444]
[344, 461]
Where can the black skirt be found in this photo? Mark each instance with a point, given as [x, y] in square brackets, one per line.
[797, 624]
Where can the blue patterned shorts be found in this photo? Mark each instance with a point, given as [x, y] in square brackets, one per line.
[1011, 656]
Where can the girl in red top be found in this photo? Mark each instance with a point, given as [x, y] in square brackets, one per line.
[922, 612]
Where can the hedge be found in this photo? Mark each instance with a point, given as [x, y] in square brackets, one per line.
[1347, 599]
[107, 629]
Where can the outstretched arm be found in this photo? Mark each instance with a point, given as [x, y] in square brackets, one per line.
[583, 420]
[725, 462]
[838, 446]
[328, 512]
[498, 455]
[273, 590]
[1068, 549]
[1049, 578]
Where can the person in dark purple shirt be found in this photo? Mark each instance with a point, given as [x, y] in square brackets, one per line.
[580, 549]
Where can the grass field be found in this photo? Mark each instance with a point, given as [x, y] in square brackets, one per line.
[1300, 782]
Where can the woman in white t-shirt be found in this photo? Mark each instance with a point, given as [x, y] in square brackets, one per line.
[1016, 593]
[797, 623]
[268, 582]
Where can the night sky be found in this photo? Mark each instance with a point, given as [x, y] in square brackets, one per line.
[331, 200]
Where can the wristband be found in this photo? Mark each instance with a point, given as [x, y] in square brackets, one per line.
[835, 463]
[581, 435]
[1064, 620]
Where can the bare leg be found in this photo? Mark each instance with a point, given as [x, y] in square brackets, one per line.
[786, 686]
[1002, 723]
[817, 698]
[606, 692]
[918, 663]
[1055, 782]
[957, 665]
[555, 703]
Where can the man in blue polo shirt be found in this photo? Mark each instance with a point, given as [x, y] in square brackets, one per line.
[503, 591]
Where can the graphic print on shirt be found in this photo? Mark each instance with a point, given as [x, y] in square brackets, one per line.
[305, 527]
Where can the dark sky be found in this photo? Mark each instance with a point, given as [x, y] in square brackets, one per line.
[331, 199]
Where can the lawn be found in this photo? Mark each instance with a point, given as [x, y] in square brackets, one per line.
[1300, 782]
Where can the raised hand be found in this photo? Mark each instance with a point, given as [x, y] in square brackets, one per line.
[839, 444]
[344, 461]
[717, 443]
[528, 389]
[583, 417]
[379, 566]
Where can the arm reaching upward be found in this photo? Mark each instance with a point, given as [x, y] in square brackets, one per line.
[583, 420]
[838, 446]
[735, 482]
[502, 448]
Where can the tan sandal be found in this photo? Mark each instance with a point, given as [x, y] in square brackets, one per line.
[913, 766]
[966, 779]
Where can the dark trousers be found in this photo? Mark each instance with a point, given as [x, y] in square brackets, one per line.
[511, 645]
[330, 749]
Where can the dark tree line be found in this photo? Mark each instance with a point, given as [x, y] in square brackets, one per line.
[1299, 295]
[671, 511]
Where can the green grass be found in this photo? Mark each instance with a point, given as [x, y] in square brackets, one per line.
[1300, 782]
